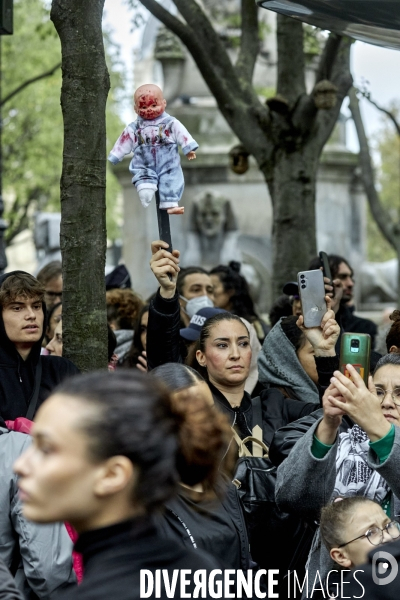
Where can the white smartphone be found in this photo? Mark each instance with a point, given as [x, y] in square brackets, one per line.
[312, 296]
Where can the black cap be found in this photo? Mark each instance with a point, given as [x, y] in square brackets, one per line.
[192, 332]
[118, 278]
[291, 288]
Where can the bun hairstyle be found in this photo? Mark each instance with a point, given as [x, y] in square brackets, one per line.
[204, 433]
[334, 518]
[204, 437]
[177, 376]
[241, 301]
[393, 336]
[168, 439]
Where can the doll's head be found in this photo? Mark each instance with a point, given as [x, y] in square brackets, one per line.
[149, 101]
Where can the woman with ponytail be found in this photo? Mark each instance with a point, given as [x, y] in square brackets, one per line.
[108, 452]
[211, 510]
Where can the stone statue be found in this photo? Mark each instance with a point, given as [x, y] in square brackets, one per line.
[213, 231]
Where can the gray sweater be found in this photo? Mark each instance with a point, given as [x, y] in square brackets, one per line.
[44, 552]
[305, 484]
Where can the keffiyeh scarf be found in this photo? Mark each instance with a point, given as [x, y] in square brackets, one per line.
[354, 477]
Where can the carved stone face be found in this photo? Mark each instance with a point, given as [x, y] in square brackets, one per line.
[211, 215]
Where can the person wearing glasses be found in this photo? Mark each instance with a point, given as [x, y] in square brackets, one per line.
[329, 460]
[351, 528]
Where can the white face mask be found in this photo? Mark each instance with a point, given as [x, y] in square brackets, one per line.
[195, 304]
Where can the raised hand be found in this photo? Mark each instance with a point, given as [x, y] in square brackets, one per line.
[323, 339]
[327, 429]
[163, 263]
[359, 402]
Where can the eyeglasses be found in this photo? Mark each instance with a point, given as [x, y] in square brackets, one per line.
[375, 534]
[395, 394]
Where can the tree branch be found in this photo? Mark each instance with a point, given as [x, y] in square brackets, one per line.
[328, 57]
[291, 82]
[209, 63]
[305, 111]
[341, 77]
[387, 112]
[210, 42]
[170, 21]
[379, 212]
[249, 45]
[237, 101]
[29, 82]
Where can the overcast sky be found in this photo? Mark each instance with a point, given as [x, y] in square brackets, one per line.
[379, 66]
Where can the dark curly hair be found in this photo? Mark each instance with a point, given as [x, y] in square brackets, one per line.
[241, 302]
[123, 306]
[393, 336]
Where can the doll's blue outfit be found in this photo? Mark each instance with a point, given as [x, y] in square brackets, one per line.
[156, 162]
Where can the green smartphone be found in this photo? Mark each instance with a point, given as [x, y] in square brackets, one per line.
[355, 349]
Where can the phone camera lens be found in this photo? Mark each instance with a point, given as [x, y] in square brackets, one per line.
[303, 287]
[302, 276]
[355, 343]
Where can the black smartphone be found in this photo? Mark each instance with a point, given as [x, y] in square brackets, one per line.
[325, 266]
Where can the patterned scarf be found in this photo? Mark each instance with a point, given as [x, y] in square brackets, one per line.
[354, 477]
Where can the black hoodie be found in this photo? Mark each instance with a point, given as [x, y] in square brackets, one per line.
[17, 376]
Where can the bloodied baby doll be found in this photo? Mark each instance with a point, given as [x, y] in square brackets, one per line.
[154, 139]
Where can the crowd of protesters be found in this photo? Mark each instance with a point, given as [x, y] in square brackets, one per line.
[140, 467]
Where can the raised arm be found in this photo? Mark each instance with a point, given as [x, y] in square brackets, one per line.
[164, 312]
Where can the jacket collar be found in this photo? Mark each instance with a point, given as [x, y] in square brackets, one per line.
[97, 541]
[245, 404]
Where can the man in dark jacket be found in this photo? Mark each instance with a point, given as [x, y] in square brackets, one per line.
[26, 378]
[346, 317]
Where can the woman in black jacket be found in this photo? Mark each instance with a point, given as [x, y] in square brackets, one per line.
[213, 516]
[107, 453]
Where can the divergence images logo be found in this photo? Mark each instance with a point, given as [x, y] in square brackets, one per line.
[382, 567]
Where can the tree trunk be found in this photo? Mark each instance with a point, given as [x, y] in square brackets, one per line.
[83, 239]
[293, 197]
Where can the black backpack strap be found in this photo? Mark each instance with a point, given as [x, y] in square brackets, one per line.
[257, 411]
[257, 425]
[30, 413]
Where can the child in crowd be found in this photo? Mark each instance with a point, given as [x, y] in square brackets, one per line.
[350, 528]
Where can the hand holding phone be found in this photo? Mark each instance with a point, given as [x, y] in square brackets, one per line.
[312, 296]
[355, 349]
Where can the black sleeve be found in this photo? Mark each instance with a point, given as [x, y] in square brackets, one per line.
[286, 437]
[279, 411]
[326, 365]
[163, 331]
